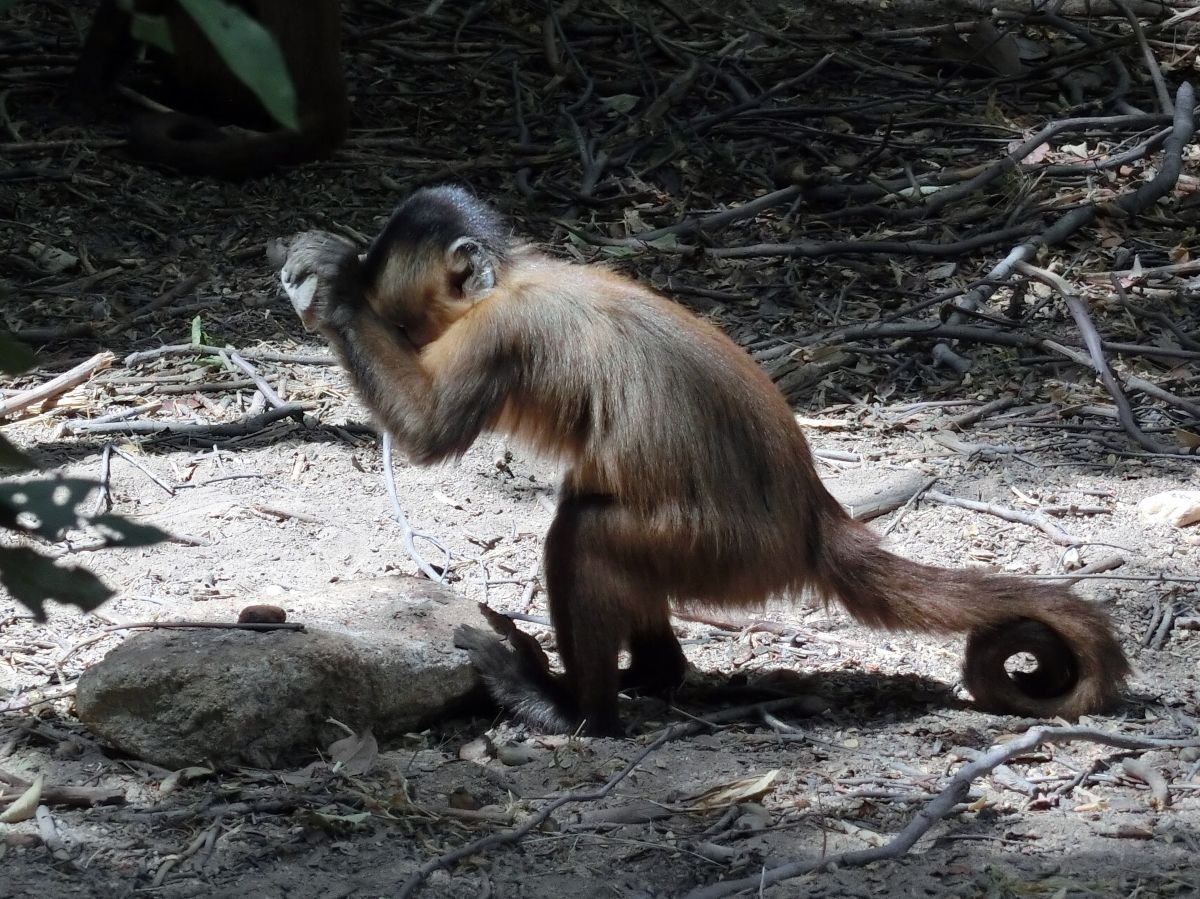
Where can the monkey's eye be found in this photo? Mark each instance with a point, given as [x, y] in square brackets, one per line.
[401, 333]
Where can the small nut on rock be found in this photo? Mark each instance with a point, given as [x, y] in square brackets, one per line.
[262, 614]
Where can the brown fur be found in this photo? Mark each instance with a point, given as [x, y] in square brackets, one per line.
[688, 480]
[308, 34]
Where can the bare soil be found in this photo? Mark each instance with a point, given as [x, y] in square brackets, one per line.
[302, 502]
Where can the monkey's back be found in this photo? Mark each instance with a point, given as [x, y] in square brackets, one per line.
[658, 409]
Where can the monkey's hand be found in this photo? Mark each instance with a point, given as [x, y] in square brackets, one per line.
[315, 268]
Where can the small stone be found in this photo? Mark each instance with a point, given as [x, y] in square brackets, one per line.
[262, 614]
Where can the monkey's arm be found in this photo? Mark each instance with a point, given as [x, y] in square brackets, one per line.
[435, 402]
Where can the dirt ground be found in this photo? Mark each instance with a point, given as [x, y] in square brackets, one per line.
[895, 725]
[883, 720]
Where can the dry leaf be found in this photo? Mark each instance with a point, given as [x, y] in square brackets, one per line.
[1190, 439]
[52, 259]
[24, 806]
[735, 791]
[354, 754]
[514, 754]
[478, 750]
[985, 47]
[172, 781]
[1035, 157]
[305, 775]
[1134, 275]
[622, 103]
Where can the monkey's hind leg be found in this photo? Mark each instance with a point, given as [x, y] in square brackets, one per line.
[594, 603]
[601, 600]
[657, 663]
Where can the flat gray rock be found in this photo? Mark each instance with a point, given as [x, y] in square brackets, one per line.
[376, 654]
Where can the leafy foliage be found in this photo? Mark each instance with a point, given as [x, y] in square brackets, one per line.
[251, 54]
[240, 40]
[46, 508]
[11, 457]
[33, 578]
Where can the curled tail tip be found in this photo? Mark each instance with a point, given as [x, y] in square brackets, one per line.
[1080, 674]
[1081, 668]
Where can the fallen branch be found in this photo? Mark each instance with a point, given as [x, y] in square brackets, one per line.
[1132, 381]
[1156, 75]
[968, 419]
[238, 428]
[203, 349]
[1182, 128]
[1091, 340]
[408, 535]
[82, 797]
[185, 287]
[260, 382]
[1108, 563]
[1033, 519]
[1160, 793]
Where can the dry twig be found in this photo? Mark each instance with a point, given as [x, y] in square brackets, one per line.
[56, 386]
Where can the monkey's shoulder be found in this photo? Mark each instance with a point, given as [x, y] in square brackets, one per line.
[550, 293]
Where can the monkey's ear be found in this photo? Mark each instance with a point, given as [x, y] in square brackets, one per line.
[472, 267]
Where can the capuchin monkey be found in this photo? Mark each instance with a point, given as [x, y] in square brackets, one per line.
[308, 33]
[687, 478]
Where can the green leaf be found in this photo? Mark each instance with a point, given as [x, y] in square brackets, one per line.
[122, 532]
[617, 252]
[14, 355]
[49, 504]
[152, 30]
[251, 54]
[32, 579]
[197, 332]
[621, 102]
[12, 458]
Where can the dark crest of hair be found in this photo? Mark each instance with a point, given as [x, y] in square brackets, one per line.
[438, 216]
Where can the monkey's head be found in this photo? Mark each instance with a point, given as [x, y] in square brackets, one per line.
[441, 252]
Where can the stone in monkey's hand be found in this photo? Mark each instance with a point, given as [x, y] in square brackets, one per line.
[311, 267]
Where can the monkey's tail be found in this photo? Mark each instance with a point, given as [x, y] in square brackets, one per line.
[192, 144]
[517, 676]
[1080, 664]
